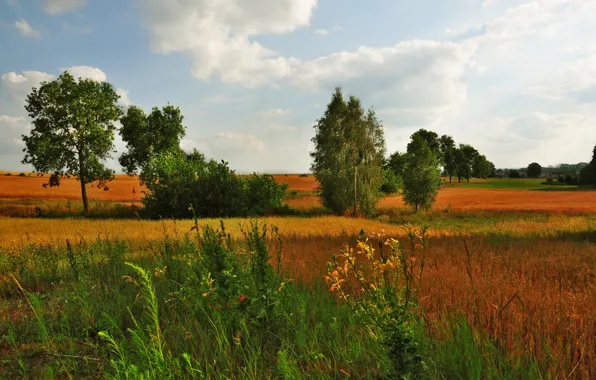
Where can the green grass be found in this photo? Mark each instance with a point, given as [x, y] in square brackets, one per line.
[206, 307]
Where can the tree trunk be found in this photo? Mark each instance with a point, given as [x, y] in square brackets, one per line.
[82, 180]
[355, 191]
[450, 179]
[84, 193]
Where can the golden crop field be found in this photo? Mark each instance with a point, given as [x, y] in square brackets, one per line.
[527, 280]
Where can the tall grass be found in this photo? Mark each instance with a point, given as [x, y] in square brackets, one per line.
[250, 302]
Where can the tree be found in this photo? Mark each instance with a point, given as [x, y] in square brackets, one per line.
[481, 167]
[421, 176]
[396, 163]
[593, 164]
[147, 135]
[349, 149]
[534, 170]
[431, 139]
[587, 176]
[447, 148]
[73, 130]
[465, 156]
[513, 173]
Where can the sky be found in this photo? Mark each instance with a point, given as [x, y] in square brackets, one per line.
[515, 79]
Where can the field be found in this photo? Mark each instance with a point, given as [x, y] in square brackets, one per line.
[508, 289]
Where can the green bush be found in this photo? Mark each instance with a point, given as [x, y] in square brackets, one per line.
[391, 182]
[176, 181]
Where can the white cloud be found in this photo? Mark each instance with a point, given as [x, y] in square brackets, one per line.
[18, 86]
[216, 35]
[27, 30]
[576, 80]
[322, 32]
[274, 112]
[86, 72]
[11, 121]
[425, 76]
[56, 7]
[226, 142]
[488, 3]
[124, 98]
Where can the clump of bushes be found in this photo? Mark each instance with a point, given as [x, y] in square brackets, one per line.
[176, 181]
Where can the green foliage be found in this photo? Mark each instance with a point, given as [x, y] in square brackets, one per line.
[482, 167]
[391, 182]
[513, 173]
[432, 141]
[379, 284]
[587, 176]
[448, 153]
[534, 170]
[176, 180]
[348, 156]
[148, 135]
[421, 176]
[73, 129]
[396, 163]
[465, 156]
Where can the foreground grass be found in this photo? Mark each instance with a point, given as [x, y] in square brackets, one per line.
[512, 298]
[208, 307]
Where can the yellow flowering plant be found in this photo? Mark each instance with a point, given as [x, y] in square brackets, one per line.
[378, 279]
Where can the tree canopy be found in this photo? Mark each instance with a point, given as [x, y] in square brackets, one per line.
[73, 130]
[421, 175]
[349, 150]
[148, 135]
[534, 170]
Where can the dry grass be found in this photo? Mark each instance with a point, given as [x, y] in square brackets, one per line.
[550, 283]
[465, 199]
[121, 189]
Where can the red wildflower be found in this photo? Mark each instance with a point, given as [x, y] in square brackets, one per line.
[242, 298]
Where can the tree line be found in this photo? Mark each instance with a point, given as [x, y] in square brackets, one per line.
[350, 165]
[74, 125]
[75, 122]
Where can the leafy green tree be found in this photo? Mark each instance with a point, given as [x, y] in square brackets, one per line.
[493, 170]
[431, 139]
[448, 153]
[421, 176]
[534, 170]
[349, 149]
[148, 135]
[396, 163]
[73, 130]
[482, 167]
[513, 173]
[465, 156]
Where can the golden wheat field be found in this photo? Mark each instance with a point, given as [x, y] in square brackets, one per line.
[527, 278]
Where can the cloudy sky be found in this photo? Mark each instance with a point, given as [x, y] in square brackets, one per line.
[516, 79]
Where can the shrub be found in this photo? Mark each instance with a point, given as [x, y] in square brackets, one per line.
[303, 175]
[7, 174]
[175, 182]
[391, 182]
[22, 175]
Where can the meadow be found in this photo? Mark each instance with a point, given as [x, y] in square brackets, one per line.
[507, 289]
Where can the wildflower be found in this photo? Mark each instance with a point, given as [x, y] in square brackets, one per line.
[242, 298]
